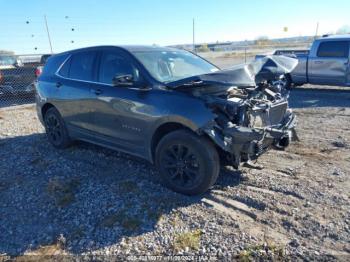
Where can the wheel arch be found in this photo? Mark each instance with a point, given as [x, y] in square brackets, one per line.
[45, 108]
[170, 126]
[161, 131]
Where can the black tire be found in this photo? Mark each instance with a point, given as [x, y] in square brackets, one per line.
[187, 163]
[55, 128]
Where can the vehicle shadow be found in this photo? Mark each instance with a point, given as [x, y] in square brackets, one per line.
[307, 97]
[83, 198]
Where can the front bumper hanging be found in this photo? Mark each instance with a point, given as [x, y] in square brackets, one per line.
[244, 143]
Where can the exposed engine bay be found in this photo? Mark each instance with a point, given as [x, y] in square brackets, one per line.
[251, 108]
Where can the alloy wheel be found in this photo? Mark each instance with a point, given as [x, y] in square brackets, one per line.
[54, 129]
[181, 165]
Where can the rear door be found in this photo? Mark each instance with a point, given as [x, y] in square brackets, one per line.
[329, 64]
[74, 98]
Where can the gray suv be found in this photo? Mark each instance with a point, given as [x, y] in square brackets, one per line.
[168, 106]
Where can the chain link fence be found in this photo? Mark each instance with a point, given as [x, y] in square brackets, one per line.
[17, 76]
[19, 72]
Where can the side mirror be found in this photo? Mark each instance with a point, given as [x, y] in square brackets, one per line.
[123, 80]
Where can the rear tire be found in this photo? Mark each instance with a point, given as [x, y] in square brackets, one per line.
[55, 128]
[187, 163]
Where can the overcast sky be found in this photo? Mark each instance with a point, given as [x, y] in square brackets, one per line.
[78, 23]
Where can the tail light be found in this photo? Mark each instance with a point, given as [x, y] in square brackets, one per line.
[38, 71]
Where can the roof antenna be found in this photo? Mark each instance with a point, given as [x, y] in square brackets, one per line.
[48, 33]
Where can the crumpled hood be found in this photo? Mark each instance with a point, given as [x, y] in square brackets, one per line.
[267, 68]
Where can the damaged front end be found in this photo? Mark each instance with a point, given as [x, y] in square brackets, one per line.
[251, 108]
[244, 128]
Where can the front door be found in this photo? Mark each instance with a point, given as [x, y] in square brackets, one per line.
[120, 113]
[330, 64]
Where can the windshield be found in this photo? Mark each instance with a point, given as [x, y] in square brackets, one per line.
[168, 66]
[7, 60]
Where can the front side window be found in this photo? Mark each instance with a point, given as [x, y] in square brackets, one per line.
[333, 49]
[113, 65]
[82, 65]
[168, 66]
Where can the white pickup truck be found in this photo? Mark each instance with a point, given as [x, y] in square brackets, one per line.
[326, 63]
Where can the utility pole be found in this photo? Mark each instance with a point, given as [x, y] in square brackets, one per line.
[194, 47]
[48, 34]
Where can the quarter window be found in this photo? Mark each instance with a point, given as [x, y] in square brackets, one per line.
[333, 49]
[81, 66]
[64, 71]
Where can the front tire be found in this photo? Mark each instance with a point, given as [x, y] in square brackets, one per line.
[55, 128]
[187, 163]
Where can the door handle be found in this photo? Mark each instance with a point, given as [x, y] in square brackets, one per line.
[97, 91]
[58, 84]
[318, 62]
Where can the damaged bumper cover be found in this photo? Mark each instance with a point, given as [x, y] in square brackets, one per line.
[245, 143]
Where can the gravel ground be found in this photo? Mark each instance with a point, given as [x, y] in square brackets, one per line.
[87, 200]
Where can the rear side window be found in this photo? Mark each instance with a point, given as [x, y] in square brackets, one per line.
[333, 49]
[82, 65]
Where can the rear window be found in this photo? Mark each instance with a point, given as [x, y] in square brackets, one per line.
[333, 49]
[81, 66]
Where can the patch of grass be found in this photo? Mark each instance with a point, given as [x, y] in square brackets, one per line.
[127, 221]
[42, 254]
[111, 219]
[132, 223]
[77, 233]
[127, 186]
[188, 239]
[262, 251]
[175, 219]
[62, 191]
[40, 162]
[154, 214]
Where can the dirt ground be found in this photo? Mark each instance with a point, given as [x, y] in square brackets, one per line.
[90, 201]
[69, 201]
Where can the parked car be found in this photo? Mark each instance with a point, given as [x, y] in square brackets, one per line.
[39, 69]
[14, 76]
[168, 106]
[326, 63]
[17, 77]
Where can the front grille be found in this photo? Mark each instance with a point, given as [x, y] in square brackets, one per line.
[260, 117]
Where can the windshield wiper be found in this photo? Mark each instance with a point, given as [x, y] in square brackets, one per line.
[181, 83]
